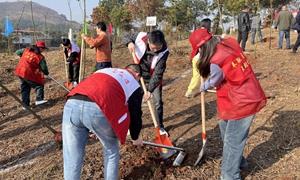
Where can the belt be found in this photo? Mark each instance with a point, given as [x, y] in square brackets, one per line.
[81, 97]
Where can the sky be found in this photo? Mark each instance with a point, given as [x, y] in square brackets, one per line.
[61, 6]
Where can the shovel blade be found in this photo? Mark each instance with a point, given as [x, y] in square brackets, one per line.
[164, 140]
[68, 85]
[201, 154]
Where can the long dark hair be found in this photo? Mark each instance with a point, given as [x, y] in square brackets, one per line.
[206, 51]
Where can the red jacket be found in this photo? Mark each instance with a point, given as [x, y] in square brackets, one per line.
[110, 89]
[240, 94]
[29, 67]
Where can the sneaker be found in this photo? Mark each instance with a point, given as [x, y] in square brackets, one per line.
[74, 83]
[189, 94]
[40, 102]
[162, 131]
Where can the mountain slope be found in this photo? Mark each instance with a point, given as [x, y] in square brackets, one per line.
[43, 17]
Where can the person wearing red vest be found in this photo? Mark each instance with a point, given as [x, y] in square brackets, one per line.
[151, 54]
[107, 103]
[72, 53]
[239, 94]
[31, 70]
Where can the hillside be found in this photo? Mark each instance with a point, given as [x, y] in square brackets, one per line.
[41, 14]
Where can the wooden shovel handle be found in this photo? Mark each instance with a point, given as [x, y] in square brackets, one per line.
[28, 108]
[152, 112]
[66, 64]
[203, 110]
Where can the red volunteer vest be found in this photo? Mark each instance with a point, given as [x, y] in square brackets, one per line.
[240, 94]
[29, 67]
[110, 89]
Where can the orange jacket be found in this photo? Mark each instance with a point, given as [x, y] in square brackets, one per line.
[102, 45]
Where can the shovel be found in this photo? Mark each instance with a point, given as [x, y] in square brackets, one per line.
[58, 83]
[57, 134]
[159, 138]
[67, 84]
[180, 157]
[201, 154]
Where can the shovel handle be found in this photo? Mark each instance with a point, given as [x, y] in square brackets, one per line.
[203, 111]
[58, 83]
[152, 112]
[135, 59]
[27, 108]
[66, 64]
[162, 146]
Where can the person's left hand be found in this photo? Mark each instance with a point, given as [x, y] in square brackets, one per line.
[83, 36]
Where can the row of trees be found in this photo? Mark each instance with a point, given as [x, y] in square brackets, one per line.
[182, 14]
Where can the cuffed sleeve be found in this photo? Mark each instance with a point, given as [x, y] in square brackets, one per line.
[215, 78]
[44, 67]
[19, 52]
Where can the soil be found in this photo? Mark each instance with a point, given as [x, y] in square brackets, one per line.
[28, 150]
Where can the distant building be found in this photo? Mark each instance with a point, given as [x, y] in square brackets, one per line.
[24, 38]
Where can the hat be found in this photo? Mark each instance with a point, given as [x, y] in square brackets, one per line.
[41, 44]
[197, 39]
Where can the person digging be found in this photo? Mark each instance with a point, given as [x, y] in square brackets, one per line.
[107, 103]
[72, 54]
[31, 70]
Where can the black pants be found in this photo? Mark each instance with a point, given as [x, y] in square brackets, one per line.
[297, 43]
[243, 36]
[73, 72]
[102, 65]
[26, 86]
[158, 103]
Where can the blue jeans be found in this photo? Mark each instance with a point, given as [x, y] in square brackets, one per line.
[286, 34]
[79, 118]
[234, 134]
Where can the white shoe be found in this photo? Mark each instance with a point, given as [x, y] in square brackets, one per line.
[74, 83]
[40, 102]
[189, 94]
[162, 131]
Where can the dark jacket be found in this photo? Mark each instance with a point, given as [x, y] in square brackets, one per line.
[244, 21]
[156, 78]
[296, 25]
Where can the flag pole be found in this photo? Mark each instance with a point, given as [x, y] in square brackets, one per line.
[82, 57]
